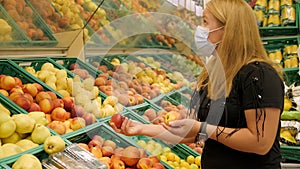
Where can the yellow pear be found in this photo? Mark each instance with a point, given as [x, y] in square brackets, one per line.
[7, 125]
[27, 161]
[9, 149]
[54, 144]
[15, 137]
[26, 144]
[4, 110]
[24, 123]
[40, 133]
[39, 117]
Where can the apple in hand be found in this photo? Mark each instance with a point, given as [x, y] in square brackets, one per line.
[171, 116]
[54, 144]
[117, 120]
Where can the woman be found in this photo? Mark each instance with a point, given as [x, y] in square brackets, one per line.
[246, 136]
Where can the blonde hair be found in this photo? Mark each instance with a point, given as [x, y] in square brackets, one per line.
[241, 42]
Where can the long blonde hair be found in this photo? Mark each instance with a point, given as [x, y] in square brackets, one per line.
[241, 42]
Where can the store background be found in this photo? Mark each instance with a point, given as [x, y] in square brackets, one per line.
[63, 33]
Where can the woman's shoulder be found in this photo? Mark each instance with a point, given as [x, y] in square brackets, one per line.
[256, 68]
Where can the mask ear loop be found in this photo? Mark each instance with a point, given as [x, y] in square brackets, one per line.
[216, 29]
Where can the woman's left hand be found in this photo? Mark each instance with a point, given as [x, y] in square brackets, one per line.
[184, 128]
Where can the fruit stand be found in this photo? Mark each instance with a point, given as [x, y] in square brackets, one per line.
[69, 70]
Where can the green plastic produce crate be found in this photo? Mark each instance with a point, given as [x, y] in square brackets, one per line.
[48, 39]
[290, 152]
[100, 60]
[19, 39]
[282, 30]
[14, 109]
[142, 108]
[38, 152]
[180, 98]
[102, 130]
[66, 62]
[186, 91]
[10, 68]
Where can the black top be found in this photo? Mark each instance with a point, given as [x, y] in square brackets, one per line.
[256, 85]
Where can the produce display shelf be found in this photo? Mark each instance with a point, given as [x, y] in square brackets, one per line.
[290, 152]
[19, 39]
[8, 67]
[179, 98]
[141, 109]
[38, 152]
[40, 24]
[282, 30]
[66, 62]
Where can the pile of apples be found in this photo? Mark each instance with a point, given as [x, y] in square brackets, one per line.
[175, 75]
[21, 132]
[115, 157]
[54, 20]
[23, 16]
[59, 111]
[165, 154]
[71, 11]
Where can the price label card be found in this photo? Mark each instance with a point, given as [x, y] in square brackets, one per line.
[193, 6]
[199, 11]
[182, 3]
[188, 4]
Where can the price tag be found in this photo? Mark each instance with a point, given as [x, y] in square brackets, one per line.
[182, 3]
[193, 6]
[199, 10]
[188, 4]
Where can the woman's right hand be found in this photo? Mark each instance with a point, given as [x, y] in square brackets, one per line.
[129, 127]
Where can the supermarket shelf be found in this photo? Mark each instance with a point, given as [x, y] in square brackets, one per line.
[31, 52]
[104, 51]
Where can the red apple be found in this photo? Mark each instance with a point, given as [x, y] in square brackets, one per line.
[34, 107]
[58, 126]
[131, 156]
[8, 82]
[110, 143]
[117, 119]
[144, 163]
[77, 111]
[68, 103]
[39, 87]
[89, 118]
[107, 151]
[52, 95]
[74, 66]
[46, 105]
[77, 123]
[94, 143]
[41, 96]
[58, 103]
[59, 114]
[96, 151]
[118, 164]
[31, 89]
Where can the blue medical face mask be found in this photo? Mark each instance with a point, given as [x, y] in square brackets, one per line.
[205, 48]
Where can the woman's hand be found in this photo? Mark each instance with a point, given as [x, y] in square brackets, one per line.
[129, 127]
[184, 128]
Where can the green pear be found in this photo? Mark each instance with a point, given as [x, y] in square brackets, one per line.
[54, 144]
[26, 144]
[27, 161]
[40, 133]
[24, 123]
[7, 125]
[39, 117]
[9, 149]
[15, 137]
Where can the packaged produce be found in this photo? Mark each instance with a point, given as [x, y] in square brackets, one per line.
[260, 4]
[288, 15]
[275, 55]
[274, 20]
[260, 16]
[274, 6]
[286, 3]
